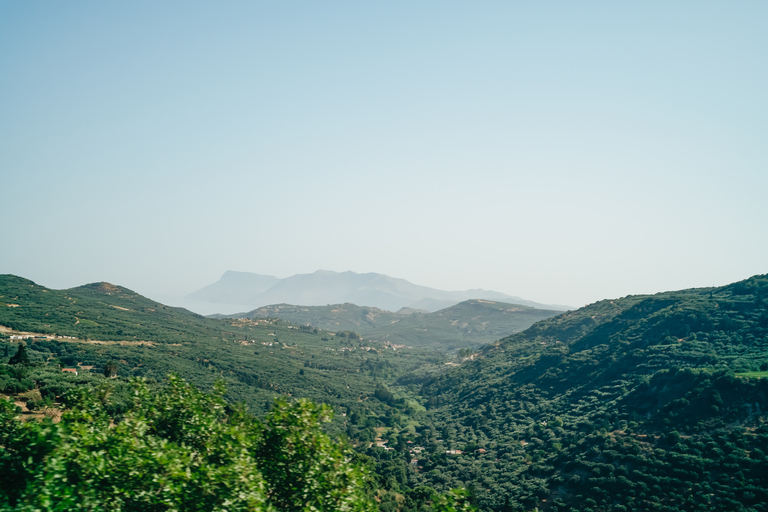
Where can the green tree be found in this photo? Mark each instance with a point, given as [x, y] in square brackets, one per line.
[304, 469]
[456, 500]
[110, 370]
[21, 356]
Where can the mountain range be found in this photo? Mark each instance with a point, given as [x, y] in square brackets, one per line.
[249, 291]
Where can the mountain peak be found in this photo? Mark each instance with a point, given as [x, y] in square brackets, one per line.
[104, 287]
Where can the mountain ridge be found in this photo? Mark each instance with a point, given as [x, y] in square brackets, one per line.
[324, 287]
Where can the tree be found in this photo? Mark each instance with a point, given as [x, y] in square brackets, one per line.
[304, 469]
[456, 500]
[110, 370]
[21, 356]
[382, 393]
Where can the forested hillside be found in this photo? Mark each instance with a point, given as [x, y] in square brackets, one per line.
[105, 329]
[466, 325]
[642, 403]
[94, 325]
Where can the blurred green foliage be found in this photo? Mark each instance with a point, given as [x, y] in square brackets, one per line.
[177, 448]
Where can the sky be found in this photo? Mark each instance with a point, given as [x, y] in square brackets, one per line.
[563, 152]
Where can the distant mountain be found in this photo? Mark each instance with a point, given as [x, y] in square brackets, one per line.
[235, 288]
[325, 287]
[468, 324]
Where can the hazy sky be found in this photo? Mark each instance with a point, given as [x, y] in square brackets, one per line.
[564, 152]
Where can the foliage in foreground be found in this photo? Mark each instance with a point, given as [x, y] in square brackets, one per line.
[177, 449]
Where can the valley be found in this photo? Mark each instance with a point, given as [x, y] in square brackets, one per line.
[653, 402]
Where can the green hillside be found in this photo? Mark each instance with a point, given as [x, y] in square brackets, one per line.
[99, 311]
[96, 324]
[641, 403]
[468, 324]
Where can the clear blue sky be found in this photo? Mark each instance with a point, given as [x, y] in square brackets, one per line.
[564, 152]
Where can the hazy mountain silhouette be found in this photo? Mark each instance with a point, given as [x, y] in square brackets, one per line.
[326, 287]
[235, 288]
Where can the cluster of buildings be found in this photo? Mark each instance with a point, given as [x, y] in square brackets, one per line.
[40, 337]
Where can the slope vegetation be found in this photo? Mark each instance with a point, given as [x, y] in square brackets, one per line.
[468, 324]
[641, 403]
[91, 326]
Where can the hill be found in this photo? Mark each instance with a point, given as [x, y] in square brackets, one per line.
[468, 324]
[641, 403]
[92, 325]
[325, 287]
